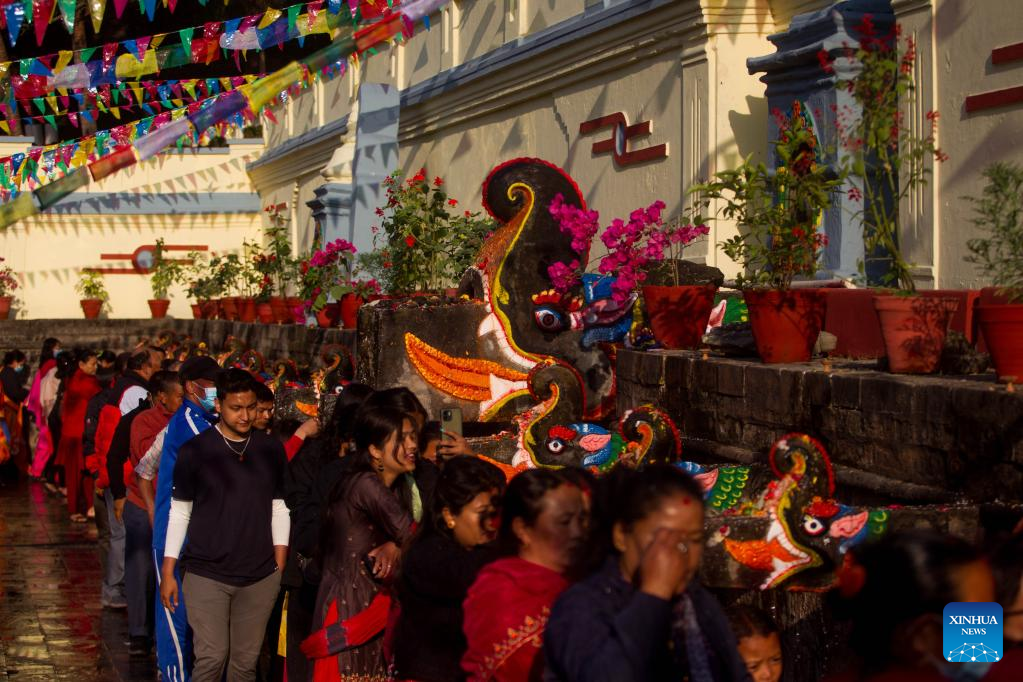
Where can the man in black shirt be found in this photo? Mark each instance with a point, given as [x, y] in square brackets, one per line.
[229, 497]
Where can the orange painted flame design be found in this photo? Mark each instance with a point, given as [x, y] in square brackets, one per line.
[465, 378]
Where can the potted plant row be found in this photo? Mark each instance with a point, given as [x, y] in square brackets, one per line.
[330, 287]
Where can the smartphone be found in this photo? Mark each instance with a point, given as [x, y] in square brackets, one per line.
[451, 420]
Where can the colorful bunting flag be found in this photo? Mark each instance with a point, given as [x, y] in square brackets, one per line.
[67, 13]
[42, 10]
[14, 13]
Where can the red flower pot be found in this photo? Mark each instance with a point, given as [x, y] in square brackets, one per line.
[196, 311]
[229, 304]
[329, 315]
[218, 309]
[158, 308]
[350, 304]
[91, 307]
[265, 312]
[914, 329]
[280, 310]
[679, 315]
[296, 308]
[246, 309]
[5, 306]
[785, 324]
[1002, 325]
[208, 309]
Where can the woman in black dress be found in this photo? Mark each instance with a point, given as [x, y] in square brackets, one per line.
[367, 523]
[440, 566]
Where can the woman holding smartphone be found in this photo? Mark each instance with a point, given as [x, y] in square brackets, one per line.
[368, 522]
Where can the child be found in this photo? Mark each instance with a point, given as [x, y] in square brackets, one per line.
[759, 642]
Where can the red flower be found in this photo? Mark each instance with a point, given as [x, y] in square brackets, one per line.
[467, 214]
[452, 202]
[380, 212]
[855, 194]
[410, 241]
[825, 61]
[437, 182]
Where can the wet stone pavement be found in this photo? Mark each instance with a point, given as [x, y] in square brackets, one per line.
[52, 626]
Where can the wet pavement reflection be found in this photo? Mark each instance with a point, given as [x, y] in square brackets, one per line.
[52, 626]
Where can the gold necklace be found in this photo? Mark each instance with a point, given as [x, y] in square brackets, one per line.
[239, 453]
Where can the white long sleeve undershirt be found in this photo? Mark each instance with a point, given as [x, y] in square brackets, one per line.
[177, 526]
[181, 514]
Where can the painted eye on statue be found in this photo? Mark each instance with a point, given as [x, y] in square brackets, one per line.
[555, 445]
[812, 526]
[549, 319]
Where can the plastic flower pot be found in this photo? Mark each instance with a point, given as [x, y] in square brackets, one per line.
[1002, 325]
[229, 304]
[350, 304]
[91, 307]
[280, 310]
[158, 307]
[196, 311]
[265, 312]
[786, 323]
[914, 329]
[679, 315]
[246, 309]
[208, 309]
[328, 316]
[296, 309]
[5, 306]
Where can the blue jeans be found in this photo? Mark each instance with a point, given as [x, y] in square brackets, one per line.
[139, 576]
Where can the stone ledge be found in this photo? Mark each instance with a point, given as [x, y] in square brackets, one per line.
[273, 341]
[892, 437]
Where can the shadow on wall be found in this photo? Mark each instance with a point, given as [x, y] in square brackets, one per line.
[749, 129]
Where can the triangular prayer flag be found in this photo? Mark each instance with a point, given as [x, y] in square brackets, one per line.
[150, 8]
[269, 17]
[51, 120]
[15, 15]
[109, 51]
[292, 17]
[52, 101]
[96, 9]
[64, 58]
[6, 128]
[186, 40]
[171, 5]
[119, 6]
[85, 54]
[42, 10]
[40, 103]
[67, 13]
[65, 101]
[73, 117]
[141, 45]
[116, 111]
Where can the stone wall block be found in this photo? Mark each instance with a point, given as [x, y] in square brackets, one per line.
[845, 390]
[731, 379]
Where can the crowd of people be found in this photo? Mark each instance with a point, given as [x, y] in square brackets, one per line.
[375, 546]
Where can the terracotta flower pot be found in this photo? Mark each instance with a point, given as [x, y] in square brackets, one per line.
[91, 307]
[914, 329]
[785, 324]
[1002, 325]
[5, 306]
[158, 307]
[229, 304]
[328, 316]
[208, 309]
[196, 311]
[350, 304]
[246, 309]
[296, 309]
[218, 309]
[679, 315]
[280, 310]
[265, 312]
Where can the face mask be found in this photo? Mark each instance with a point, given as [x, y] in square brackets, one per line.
[209, 395]
[19, 368]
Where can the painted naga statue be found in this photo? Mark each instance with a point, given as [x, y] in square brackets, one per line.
[548, 358]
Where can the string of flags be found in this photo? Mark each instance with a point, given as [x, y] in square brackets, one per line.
[221, 109]
[16, 14]
[150, 97]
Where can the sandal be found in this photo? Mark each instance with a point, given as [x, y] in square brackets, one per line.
[78, 518]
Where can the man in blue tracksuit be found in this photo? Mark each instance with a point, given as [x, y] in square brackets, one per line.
[196, 414]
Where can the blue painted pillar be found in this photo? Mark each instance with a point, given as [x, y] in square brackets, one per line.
[794, 73]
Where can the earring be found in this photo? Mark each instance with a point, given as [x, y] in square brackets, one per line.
[451, 524]
[380, 465]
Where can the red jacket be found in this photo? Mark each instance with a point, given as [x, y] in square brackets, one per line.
[80, 388]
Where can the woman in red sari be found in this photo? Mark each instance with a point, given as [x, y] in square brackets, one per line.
[543, 525]
[81, 386]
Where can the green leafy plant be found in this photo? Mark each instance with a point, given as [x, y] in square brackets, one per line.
[330, 273]
[199, 282]
[276, 264]
[886, 159]
[90, 286]
[165, 272]
[8, 283]
[778, 211]
[249, 282]
[999, 212]
[427, 245]
[225, 274]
